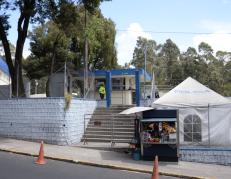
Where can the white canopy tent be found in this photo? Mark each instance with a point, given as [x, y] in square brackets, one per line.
[204, 115]
[191, 93]
[135, 109]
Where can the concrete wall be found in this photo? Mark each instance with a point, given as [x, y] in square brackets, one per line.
[121, 97]
[118, 97]
[4, 78]
[44, 119]
[206, 155]
[57, 85]
[5, 91]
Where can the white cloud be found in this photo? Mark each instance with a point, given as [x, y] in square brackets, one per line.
[26, 52]
[216, 40]
[126, 42]
[219, 39]
[215, 26]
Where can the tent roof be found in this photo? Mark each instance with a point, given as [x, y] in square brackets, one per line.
[191, 93]
[135, 109]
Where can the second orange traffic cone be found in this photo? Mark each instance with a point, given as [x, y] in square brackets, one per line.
[155, 172]
[41, 160]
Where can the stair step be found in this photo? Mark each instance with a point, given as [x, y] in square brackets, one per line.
[109, 123]
[99, 127]
[116, 107]
[119, 133]
[107, 140]
[88, 136]
[111, 115]
[109, 129]
[110, 118]
[109, 126]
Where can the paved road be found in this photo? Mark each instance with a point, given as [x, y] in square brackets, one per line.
[13, 166]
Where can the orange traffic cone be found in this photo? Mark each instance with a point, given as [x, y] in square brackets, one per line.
[155, 172]
[40, 159]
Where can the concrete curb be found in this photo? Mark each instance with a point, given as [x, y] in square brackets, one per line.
[105, 165]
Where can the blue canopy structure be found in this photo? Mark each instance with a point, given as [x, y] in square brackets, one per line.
[4, 67]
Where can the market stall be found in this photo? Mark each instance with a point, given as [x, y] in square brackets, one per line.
[159, 135]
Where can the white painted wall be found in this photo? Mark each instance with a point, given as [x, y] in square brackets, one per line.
[44, 119]
[121, 97]
[4, 78]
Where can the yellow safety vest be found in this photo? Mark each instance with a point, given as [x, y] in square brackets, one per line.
[102, 90]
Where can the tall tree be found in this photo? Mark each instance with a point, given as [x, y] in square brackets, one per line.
[189, 60]
[52, 44]
[30, 11]
[171, 56]
[144, 46]
[101, 36]
[227, 78]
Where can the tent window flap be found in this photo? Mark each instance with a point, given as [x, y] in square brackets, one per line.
[192, 128]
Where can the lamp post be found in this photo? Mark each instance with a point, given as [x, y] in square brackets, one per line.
[145, 61]
[36, 86]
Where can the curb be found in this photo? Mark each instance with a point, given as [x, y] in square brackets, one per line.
[105, 165]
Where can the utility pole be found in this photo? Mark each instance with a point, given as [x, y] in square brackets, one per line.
[17, 78]
[154, 88]
[65, 79]
[85, 56]
[145, 61]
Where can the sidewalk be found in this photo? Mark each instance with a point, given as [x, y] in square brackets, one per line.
[112, 159]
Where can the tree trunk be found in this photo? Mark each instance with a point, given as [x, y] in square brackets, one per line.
[26, 12]
[52, 65]
[48, 87]
[22, 33]
[6, 47]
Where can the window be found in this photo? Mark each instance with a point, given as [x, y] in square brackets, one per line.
[192, 128]
[118, 84]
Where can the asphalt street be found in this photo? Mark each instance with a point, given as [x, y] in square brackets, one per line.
[13, 166]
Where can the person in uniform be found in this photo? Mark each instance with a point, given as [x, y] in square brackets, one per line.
[102, 91]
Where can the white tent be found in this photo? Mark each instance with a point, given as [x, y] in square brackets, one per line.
[191, 93]
[204, 115]
[135, 109]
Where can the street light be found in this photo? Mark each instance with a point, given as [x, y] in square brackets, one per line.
[36, 86]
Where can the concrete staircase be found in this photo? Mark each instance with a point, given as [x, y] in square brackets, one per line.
[106, 125]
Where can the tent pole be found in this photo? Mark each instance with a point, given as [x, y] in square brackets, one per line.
[208, 126]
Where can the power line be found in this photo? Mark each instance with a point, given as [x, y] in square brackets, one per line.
[177, 32]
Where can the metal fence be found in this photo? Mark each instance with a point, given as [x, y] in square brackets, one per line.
[108, 128]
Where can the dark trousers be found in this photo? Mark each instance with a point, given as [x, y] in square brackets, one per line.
[101, 96]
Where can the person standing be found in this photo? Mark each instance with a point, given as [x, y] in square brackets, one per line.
[102, 91]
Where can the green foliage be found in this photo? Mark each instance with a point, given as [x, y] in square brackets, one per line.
[63, 40]
[144, 45]
[101, 37]
[61, 12]
[68, 98]
[46, 41]
[170, 55]
[171, 66]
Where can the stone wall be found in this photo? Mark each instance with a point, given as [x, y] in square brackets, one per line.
[44, 119]
[211, 155]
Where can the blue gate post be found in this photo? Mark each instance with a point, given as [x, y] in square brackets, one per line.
[137, 77]
[108, 88]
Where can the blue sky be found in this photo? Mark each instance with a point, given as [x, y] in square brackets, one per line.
[139, 17]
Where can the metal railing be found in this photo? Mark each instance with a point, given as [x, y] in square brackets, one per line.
[104, 127]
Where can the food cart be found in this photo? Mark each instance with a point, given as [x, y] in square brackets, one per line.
[159, 135]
